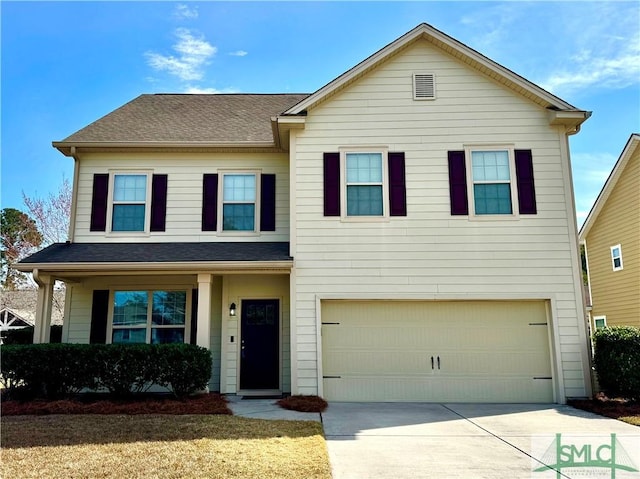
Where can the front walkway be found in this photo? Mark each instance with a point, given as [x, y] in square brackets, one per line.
[266, 409]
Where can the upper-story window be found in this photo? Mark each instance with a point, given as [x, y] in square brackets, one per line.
[239, 202]
[364, 184]
[129, 202]
[491, 188]
[616, 257]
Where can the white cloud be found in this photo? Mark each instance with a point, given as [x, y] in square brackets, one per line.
[183, 12]
[194, 53]
[619, 70]
[198, 90]
[239, 53]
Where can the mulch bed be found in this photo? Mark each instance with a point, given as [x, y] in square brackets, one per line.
[303, 403]
[609, 407]
[202, 404]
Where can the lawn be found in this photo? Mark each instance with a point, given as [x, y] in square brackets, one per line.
[161, 446]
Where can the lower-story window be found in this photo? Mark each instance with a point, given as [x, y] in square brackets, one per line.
[149, 317]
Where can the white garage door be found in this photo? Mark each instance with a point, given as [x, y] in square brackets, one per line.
[444, 351]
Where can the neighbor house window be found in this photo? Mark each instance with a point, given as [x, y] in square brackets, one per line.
[491, 186]
[364, 184]
[129, 210]
[616, 257]
[600, 322]
[239, 195]
[149, 317]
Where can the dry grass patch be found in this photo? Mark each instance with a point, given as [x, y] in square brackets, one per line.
[161, 446]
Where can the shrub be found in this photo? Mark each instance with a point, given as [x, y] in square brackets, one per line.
[185, 368]
[58, 370]
[25, 335]
[617, 361]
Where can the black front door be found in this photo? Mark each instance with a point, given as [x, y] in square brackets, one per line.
[260, 344]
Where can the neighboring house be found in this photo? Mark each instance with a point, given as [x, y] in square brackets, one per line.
[611, 236]
[10, 320]
[405, 233]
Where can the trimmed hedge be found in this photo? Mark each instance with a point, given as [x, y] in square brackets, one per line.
[25, 335]
[59, 370]
[617, 361]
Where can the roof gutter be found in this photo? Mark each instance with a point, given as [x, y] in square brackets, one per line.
[70, 148]
[37, 268]
[571, 120]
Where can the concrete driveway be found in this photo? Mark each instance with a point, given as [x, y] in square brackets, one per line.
[471, 441]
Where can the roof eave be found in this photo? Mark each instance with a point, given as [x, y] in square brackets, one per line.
[67, 147]
[103, 267]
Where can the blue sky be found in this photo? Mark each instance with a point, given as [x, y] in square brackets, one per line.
[65, 64]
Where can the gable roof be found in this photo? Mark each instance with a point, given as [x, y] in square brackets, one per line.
[194, 119]
[627, 153]
[463, 53]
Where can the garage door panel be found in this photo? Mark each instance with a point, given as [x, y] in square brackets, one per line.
[487, 351]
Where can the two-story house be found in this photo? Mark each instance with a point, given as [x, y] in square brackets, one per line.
[611, 238]
[405, 233]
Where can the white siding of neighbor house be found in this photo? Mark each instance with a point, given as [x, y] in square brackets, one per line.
[430, 254]
[184, 192]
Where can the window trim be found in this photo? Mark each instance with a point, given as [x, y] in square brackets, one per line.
[384, 151]
[613, 258]
[596, 318]
[220, 206]
[147, 202]
[149, 325]
[513, 182]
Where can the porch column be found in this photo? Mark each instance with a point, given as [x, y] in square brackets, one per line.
[42, 327]
[203, 334]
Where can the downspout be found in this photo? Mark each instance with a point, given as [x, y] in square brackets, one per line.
[74, 195]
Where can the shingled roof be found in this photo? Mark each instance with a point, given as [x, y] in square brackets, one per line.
[187, 118]
[135, 253]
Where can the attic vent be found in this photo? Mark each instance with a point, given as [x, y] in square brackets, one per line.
[424, 86]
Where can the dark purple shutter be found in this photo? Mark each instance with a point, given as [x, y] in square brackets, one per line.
[526, 186]
[158, 202]
[397, 185]
[99, 311]
[194, 317]
[210, 202]
[99, 202]
[267, 202]
[458, 183]
[331, 184]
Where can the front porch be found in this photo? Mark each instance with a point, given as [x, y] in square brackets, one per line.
[240, 310]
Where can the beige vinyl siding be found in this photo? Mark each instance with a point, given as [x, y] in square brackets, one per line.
[616, 294]
[184, 192]
[430, 254]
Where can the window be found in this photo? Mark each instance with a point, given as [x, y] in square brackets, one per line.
[135, 322]
[491, 179]
[129, 202]
[364, 184]
[616, 257]
[600, 322]
[239, 202]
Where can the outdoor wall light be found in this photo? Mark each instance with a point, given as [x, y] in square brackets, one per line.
[232, 309]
